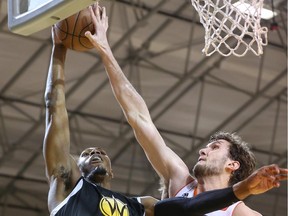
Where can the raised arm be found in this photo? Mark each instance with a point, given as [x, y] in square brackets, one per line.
[166, 163]
[260, 181]
[61, 169]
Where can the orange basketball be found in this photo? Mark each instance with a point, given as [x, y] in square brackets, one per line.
[71, 31]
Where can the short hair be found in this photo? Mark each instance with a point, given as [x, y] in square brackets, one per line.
[240, 151]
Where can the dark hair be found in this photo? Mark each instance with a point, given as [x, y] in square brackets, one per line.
[239, 151]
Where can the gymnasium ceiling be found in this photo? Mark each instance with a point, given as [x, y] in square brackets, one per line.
[158, 44]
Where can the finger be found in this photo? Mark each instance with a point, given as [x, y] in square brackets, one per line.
[274, 183]
[283, 171]
[103, 12]
[97, 13]
[89, 35]
[268, 175]
[282, 177]
[272, 169]
[92, 14]
[107, 23]
[54, 29]
[94, 6]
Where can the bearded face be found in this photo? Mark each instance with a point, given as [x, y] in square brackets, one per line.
[209, 167]
[95, 165]
[212, 160]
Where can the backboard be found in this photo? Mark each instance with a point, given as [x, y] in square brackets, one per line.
[26, 17]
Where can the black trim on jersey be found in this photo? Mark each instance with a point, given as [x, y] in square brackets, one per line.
[203, 203]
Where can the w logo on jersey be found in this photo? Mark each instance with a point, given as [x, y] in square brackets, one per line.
[113, 207]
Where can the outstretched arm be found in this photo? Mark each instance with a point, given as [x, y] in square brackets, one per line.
[56, 145]
[197, 206]
[56, 141]
[166, 163]
[262, 180]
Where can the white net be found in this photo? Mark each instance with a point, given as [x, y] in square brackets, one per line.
[232, 27]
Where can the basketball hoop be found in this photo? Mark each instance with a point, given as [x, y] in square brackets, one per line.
[230, 31]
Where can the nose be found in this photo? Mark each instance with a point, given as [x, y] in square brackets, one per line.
[203, 151]
[95, 151]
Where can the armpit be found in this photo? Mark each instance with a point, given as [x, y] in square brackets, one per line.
[64, 175]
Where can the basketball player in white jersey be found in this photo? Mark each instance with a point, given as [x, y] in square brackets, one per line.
[225, 160]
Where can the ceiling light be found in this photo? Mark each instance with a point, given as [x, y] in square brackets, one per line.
[247, 8]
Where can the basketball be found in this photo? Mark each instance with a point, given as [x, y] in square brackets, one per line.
[71, 31]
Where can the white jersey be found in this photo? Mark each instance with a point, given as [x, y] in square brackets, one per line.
[190, 190]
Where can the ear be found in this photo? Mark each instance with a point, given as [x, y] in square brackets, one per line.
[233, 165]
[111, 174]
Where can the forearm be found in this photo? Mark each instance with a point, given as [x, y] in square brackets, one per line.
[55, 77]
[127, 96]
[241, 190]
[59, 53]
[56, 67]
[201, 204]
[115, 74]
[130, 101]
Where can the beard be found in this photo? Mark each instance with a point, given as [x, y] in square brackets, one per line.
[209, 168]
[97, 175]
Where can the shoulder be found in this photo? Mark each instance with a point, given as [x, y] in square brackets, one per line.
[186, 189]
[242, 209]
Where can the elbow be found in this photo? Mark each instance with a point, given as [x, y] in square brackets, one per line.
[130, 119]
[54, 98]
[134, 119]
[49, 99]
